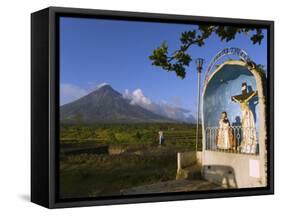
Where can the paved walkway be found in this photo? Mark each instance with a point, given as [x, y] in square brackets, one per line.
[183, 185]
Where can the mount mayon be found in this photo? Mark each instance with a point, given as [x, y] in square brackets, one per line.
[106, 105]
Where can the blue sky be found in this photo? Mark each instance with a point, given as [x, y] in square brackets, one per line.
[95, 51]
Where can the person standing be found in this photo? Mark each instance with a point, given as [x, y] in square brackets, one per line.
[161, 137]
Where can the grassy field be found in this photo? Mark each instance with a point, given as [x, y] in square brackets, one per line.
[104, 159]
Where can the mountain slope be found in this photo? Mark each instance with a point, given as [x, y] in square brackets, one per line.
[106, 105]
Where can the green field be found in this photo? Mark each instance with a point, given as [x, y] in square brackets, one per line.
[104, 159]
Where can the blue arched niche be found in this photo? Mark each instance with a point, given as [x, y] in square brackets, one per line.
[226, 82]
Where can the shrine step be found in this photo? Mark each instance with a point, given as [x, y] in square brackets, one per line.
[192, 172]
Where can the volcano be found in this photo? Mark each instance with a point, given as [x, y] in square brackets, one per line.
[106, 105]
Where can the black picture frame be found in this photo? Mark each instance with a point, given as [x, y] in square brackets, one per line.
[45, 104]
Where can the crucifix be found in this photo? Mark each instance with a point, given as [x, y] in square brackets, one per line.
[245, 96]
[249, 137]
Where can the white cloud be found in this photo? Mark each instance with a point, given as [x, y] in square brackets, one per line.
[127, 94]
[137, 97]
[70, 92]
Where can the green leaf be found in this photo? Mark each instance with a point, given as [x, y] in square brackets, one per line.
[180, 59]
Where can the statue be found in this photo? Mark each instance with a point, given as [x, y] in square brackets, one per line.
[225, 138]
[249, 136]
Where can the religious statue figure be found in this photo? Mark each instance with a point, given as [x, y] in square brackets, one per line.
[225, 138]
[249, 136]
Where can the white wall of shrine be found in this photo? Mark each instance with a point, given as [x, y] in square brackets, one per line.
[232, 170]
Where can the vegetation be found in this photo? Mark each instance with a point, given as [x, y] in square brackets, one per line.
[141, 161]
[180, 59]
[91, 175]
[182, 135]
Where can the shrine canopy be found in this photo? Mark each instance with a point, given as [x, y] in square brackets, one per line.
[224, 83]
[223, 80]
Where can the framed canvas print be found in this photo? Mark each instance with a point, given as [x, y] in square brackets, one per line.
[139, 107]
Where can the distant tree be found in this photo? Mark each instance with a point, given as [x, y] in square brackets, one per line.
[138, 135]
[180, 59]
[78, 132]
[112, 137]
[261, 68]
[93, 134]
